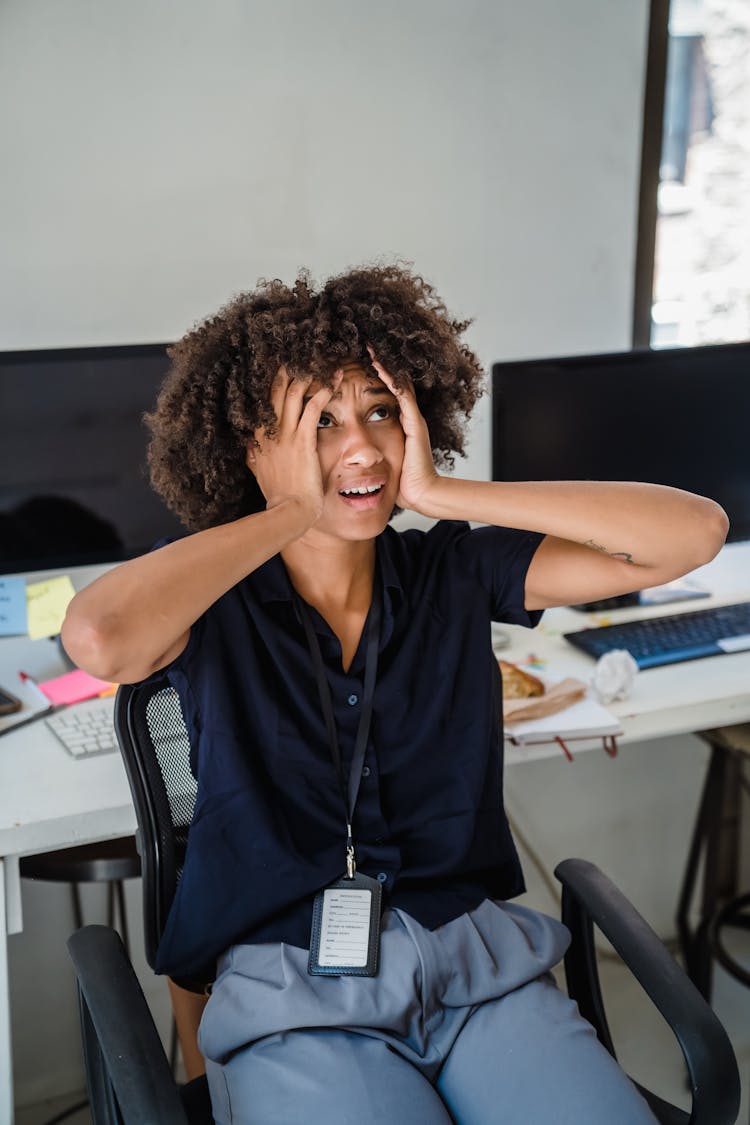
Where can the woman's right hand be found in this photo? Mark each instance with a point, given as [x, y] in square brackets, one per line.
[286, 466]
[137, 616]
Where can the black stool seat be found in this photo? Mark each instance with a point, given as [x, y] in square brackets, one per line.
[107, 861]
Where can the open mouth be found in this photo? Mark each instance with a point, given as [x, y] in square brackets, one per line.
[368, 496]
[370, 490]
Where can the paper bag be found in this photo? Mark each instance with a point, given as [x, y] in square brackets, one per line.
[556, 698]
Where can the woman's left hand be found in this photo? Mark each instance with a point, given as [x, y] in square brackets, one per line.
[418, 473]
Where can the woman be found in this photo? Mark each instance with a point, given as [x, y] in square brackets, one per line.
[349, 862]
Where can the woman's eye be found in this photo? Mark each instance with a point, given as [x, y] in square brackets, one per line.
[383, 412]
[325, 421]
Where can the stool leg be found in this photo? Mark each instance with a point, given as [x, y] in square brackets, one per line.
[77, 911]
[706, 823]
[115, 907]
[120, 893]
[701, 959]
[727, 855]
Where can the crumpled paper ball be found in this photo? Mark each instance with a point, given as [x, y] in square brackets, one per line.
[613, 676]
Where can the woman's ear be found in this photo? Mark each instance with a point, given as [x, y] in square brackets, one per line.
[250, 456]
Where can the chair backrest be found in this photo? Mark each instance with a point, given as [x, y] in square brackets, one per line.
[155, 747]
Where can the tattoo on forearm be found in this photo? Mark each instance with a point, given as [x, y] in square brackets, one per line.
[625, 556]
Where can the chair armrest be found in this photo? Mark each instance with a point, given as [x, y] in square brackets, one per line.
[589, 898]
[122, 1050]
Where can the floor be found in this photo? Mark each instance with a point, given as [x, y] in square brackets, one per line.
[645, 1044]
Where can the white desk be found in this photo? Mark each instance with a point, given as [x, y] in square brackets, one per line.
[676, 699]
[49, 800]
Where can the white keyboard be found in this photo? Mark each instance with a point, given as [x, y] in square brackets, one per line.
[85, 729]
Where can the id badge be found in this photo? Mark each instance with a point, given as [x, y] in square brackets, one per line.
[345, 939]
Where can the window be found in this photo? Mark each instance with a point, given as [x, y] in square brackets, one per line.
[701, 274]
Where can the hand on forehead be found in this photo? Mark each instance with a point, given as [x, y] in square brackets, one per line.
[351, 371]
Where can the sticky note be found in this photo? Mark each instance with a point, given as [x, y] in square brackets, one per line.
[73, 687]
[13, 618]
[46, 603]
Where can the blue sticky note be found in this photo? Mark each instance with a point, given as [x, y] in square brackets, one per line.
[13, 618]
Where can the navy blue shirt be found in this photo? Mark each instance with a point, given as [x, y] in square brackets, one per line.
[269, 828]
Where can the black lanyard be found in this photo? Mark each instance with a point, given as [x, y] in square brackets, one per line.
[350, 790]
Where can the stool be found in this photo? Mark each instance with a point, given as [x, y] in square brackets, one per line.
[717, 839]
[110, 861]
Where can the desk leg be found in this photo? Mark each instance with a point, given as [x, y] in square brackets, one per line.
[13, 913]
[6, 1058]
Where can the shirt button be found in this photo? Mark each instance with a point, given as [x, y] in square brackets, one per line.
[382, 877]
[352, 699]
[365, 771]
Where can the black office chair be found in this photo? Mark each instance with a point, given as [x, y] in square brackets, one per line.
[156, 751]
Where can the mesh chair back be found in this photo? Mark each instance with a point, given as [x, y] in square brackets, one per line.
[155, 747]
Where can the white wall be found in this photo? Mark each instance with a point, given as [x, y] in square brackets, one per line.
[159, 156]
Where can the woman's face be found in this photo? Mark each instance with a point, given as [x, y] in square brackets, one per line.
[360, 447]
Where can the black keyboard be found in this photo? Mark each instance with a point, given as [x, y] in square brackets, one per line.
[668, 640]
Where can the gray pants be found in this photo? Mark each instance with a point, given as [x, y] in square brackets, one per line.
[463, 1024]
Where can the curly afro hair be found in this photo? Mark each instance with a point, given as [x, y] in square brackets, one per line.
[217, 393]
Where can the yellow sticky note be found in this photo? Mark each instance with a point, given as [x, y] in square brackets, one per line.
[46, 603]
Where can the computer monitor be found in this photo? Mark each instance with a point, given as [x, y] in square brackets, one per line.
[678, 416]
[73, 482]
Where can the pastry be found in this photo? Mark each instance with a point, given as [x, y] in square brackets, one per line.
[518, 684]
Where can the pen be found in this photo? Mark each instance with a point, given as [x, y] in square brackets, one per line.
[27, 679]
[48, 708]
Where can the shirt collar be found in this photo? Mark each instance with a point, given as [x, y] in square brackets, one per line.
[386, 546]
[271, 583]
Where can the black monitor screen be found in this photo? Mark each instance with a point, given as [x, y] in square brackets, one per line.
[73, 482]
[679, 416]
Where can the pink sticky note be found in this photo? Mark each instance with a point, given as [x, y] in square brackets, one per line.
[73, 687]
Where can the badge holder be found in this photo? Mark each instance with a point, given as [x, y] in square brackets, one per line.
[345, 939]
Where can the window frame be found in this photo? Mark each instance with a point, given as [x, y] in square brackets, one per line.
[651, 146]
